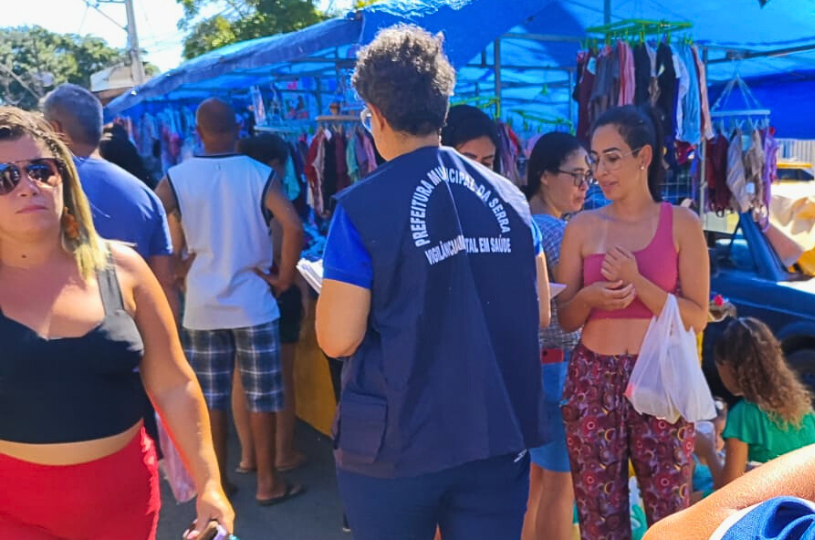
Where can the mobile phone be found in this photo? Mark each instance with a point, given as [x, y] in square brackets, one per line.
[213, 531]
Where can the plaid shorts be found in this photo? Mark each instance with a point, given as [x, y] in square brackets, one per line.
[256, 349]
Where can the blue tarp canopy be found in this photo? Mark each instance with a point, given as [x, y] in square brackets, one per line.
[539, 40]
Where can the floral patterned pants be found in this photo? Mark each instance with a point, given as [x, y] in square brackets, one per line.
[603, 431]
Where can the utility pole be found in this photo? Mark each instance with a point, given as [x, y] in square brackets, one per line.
[136, 66]
[133, 51]
[607, 12]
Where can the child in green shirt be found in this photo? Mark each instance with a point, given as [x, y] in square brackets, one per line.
[775, 415]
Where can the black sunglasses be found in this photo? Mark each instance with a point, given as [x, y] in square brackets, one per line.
[45, 171]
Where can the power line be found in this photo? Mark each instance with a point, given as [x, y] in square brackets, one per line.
[105, 15]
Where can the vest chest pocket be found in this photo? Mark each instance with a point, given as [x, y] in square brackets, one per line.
[363, 420]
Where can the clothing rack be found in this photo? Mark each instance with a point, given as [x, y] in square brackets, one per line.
[336, 119]
[628, 29]
[754, 108]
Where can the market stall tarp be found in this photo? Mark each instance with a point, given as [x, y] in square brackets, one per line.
[542, 40]
[240, 65]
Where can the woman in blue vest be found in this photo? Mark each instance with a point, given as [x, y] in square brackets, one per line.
[558, 177]
[426, 261]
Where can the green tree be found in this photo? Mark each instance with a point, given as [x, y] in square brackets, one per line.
[243, 20]
[33, 60]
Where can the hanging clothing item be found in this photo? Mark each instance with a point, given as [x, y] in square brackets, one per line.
[628, 78]
[666, 77]
[642, 74]
[291, 186]
[370, 153]
[315, 163]
[300, 202]
[351, 159]
[343, 180]
[736, 179]
[584, 90]
[770, 174]
[716, 158]
[615, 68]
[330, 173]
[666, 104]
[509, 152]
[601, 95]
[707, 123]
[653, 90]
[683, 87]
[753, 172]
[690, 125]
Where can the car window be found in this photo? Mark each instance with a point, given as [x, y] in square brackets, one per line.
[803, 175]
[734, 252]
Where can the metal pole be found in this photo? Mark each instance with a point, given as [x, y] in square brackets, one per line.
[136, 66]
[571, 101]
[497, 70]
[319, 95]
[606, 11]
[703, 158]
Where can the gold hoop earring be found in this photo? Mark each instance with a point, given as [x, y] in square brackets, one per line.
[70, 225]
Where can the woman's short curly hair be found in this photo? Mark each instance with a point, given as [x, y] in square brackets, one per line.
[405, 74]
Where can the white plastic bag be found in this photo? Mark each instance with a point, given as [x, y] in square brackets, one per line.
[667, 380]
[646, 390]
[683, 376]
[172, 465]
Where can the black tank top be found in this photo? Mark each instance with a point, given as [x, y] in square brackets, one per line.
[71, 389]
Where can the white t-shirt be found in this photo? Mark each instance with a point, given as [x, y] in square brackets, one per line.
[221, 203]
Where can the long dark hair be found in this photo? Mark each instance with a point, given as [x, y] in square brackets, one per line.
[548, 155]
[640, 126]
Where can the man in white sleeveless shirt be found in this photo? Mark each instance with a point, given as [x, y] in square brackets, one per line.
[230, 312]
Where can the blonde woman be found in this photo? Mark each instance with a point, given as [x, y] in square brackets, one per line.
[77, 316]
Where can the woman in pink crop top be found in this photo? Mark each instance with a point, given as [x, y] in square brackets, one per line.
[619, 264]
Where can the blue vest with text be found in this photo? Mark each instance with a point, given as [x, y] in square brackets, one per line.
[449, 369]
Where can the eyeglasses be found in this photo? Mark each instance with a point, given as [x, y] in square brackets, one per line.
[612, 160]
[580, 178]
[43, 171]
[366, 117]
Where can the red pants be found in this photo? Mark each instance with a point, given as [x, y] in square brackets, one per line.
[115, 497]
[603, 431]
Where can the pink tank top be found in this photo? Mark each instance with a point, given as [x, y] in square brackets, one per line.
[658, 262]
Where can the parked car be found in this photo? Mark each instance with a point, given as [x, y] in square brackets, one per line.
[746, 270]
[795, 171]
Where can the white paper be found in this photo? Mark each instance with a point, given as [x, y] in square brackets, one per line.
[312, 272]
[555, 289]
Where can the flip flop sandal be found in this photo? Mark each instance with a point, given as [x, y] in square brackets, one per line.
[294, 466]
[292, 491]
[245, 470]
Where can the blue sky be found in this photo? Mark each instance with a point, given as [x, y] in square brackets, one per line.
[155, 21]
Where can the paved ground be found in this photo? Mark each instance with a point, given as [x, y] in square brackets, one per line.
[317, 515]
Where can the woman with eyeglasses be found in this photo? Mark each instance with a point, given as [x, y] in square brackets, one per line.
[558, 178]
[77, 316]
[619, 264]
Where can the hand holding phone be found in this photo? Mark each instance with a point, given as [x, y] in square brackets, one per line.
[213, 531]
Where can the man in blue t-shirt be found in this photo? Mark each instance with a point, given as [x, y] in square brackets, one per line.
[433, 274]
[124, 209]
